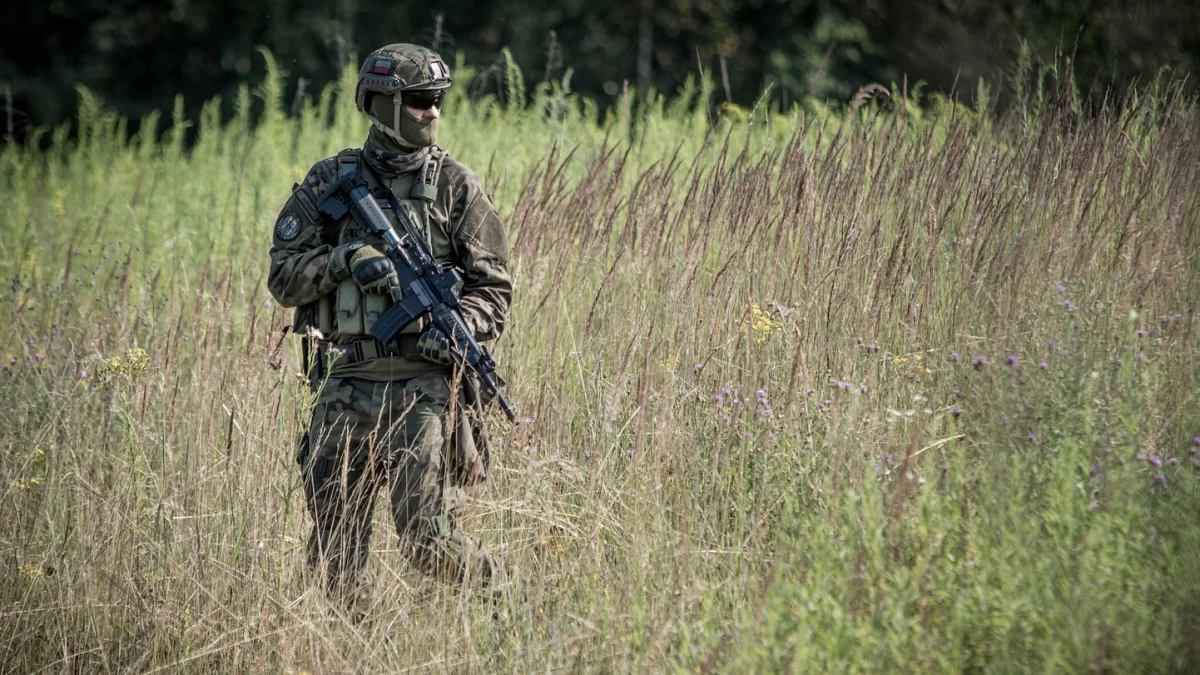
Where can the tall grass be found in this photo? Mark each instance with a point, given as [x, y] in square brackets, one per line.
[866, 390]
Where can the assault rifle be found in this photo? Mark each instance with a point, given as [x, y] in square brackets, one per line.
[425, 288]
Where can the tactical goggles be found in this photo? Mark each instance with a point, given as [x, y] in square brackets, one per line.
[422, 100]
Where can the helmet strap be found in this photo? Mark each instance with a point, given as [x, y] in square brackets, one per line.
[396, 98]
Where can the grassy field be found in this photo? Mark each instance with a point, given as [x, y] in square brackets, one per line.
[853, 390]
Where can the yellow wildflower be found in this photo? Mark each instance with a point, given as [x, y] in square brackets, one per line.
[31, 571]
[138, 360]
[763, 324]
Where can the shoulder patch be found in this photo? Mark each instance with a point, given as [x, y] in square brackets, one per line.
[304, 197]
[287, 227]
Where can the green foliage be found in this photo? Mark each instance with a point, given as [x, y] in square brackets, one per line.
[754, 436]
[139, 56]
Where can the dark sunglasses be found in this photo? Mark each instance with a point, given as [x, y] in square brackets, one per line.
[423, 100]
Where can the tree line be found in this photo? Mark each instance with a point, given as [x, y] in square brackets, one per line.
[138, 55]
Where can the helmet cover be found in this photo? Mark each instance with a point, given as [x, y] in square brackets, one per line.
[391, 71]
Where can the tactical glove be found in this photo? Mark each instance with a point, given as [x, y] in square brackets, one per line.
[434, 347]
[372, 270]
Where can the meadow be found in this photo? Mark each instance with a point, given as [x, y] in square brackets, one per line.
[876, 387]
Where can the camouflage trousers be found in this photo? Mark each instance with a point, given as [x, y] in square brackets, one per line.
[370, 435]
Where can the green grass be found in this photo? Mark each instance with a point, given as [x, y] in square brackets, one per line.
[744, 443]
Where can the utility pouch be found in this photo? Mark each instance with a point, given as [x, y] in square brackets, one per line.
[349, 309]
[374, 304]
[325, 315]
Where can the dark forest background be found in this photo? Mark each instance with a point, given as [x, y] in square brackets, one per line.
[138, 54]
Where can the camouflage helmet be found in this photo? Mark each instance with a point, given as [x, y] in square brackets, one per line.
[398, 68]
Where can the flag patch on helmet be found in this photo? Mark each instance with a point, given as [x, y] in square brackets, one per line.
[382, 67]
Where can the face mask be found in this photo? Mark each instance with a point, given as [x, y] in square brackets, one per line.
[399, 125]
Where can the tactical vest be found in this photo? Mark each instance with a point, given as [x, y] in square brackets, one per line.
[347, 314]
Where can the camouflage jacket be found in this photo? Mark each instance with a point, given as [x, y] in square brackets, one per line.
[308, 263]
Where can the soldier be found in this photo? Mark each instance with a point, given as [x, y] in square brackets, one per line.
[393, 415]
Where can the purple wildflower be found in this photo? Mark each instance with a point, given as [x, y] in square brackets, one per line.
[1195, 462]
[878, 468]
[1060, 288]
[275, 364]
[958, 391]
[1069, 305]
[1140, 357]
[1139, 332]
[39, 357]
[871, 349]
[1003, 419]
[1160, 479]
[953, 241]
[1177, 317]
[888, 458]
[1156, 461]
[1032, 438]
[12, 360]
[864, 388]
[978, 362]
[761, 395]
[955, 411]
[1012, 360]
[717, 398]
[954, 356]
[1119, 361]
[1044, 366]
[1095, 470]
[1092, 506]
[82, 374]
[699, 367]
